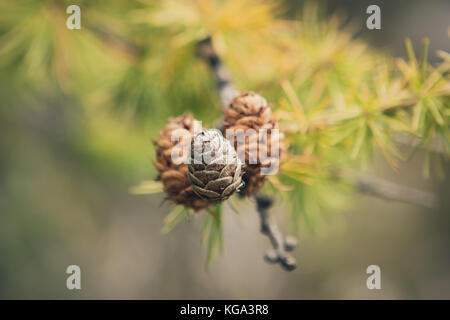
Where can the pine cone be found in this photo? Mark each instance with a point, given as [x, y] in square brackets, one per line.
[214, 169]
[250, 113]
[172, 174]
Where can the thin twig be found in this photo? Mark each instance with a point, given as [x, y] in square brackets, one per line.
[412, 101]
[281, 244]
[436, 145]
[227, 91]
[391, 191]
[121, 43]
[386, 190]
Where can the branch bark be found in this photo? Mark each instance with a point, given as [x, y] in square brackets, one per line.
[281, 244]
[386, 190]
[436, 145]
[390, 191]
[227, 91]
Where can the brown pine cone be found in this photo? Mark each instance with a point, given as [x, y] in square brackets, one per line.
[173, 174]
[214, 168]
[247, 114]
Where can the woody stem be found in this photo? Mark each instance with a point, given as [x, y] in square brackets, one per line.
[227, 91]
[280, 243]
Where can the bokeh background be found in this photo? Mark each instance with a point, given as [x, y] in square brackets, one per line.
[66, 170]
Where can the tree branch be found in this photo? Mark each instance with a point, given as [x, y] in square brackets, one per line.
[364, 184]
[436, 145]
[281, 245]
[122, 44]
[391, 191]
[227, 91]
[412, 101]
[386, 190]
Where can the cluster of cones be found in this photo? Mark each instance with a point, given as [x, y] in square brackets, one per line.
[199, 185]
